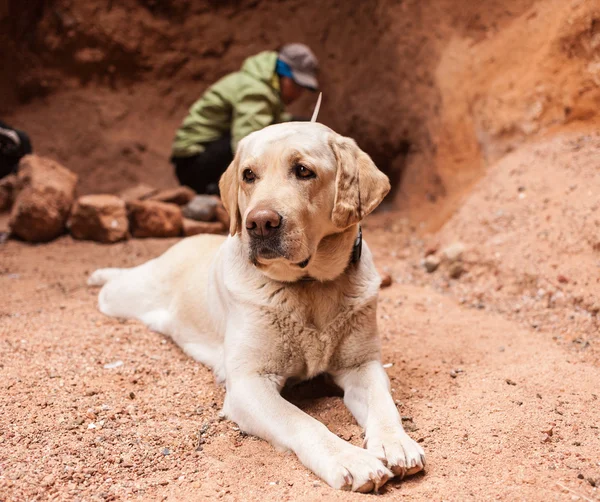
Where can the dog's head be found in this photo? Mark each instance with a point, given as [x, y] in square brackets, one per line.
[292, 185]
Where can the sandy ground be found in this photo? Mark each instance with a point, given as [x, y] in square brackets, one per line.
[97, 409]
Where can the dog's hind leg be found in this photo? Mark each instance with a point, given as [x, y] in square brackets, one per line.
[134, 293]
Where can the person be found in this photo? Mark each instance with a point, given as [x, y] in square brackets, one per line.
[238, 104]
[14, 144]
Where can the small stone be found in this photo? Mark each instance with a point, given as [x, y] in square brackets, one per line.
[48, 481]
[431, 263]
[180, 195]
[166, 451]
[453, 374]
[113, 365]
[562, 279]
[456, 270]
[100, 218]
[202, 208]
[46, 191]
[454, 252]
[131, 395]
[580, 476]
[592, 481]
[386, 281]
[593, 307]
[510, 382]
[151, 218]
[193, 227]
[126, 462]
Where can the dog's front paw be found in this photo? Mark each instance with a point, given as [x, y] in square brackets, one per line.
[357, 470]
[402, 455]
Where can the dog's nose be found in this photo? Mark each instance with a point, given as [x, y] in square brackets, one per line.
[263, 222]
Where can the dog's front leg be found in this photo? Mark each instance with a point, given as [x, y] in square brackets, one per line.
[254, 402]
[367, 396]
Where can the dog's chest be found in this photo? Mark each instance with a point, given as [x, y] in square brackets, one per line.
[306, 331]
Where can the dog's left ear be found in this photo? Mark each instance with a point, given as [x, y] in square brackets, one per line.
[229, 186]
[360, 186]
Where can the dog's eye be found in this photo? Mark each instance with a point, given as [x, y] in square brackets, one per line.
[248, 175]
[303, 172]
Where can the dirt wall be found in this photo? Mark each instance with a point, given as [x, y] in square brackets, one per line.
[434, 90]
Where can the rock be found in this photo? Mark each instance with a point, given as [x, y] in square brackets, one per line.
[101, 218]
[138, 192]
[152, 218]
[456, 270]
[221, 214]
[454, 252]
[202, 208]
[193, 227]
[180, 195]
[46, 191]
[7, 189]
[386, 280]
[431, 263]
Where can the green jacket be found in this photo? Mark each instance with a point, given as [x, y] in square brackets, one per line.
[239, 103]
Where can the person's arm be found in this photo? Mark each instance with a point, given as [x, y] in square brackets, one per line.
[252, 112]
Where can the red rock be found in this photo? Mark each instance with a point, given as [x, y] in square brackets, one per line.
[193, 227]
[7, 189]
[101, 218]
[562, 279]
[386, 280]
[221, 214]
[180, 195]
[45, 194]
[150, 218]
[138, 192]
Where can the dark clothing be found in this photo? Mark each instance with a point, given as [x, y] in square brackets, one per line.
[203, 170]
[14, 144]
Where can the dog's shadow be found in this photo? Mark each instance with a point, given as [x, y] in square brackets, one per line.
[303, 393]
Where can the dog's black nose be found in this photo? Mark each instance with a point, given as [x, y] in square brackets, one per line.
[263, 222]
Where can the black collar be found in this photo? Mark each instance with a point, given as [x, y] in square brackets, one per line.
[354, 255]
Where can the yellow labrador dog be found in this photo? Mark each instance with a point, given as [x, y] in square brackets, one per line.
[288, 295]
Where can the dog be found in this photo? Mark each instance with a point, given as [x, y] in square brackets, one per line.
[290, 294]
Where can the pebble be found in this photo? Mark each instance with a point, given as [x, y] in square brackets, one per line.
[166, 451]
[386, 280]
[113, 365]
[510, 382]
[431, 263]
[48, 480]
[454, 252]
[456, 270]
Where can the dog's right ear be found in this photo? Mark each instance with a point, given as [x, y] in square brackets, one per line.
[229, 186]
